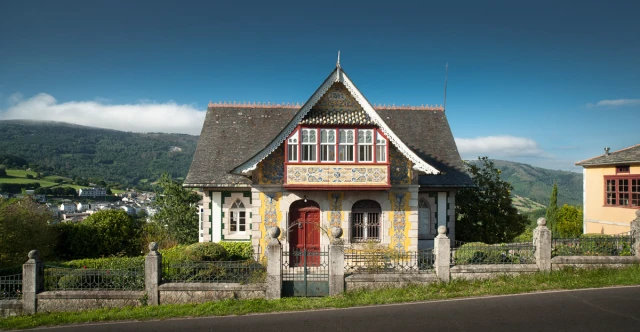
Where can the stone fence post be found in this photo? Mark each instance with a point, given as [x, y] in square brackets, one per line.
[274, 265]
[542, 242]
[336, 262]
[442, 250]
[32, 282]
[635, 233]
[153, 274]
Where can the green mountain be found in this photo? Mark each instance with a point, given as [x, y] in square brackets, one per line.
[536, 183]
[93, 153]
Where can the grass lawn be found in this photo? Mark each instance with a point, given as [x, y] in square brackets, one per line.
[564, 279]
[43, 183]
[19, 173]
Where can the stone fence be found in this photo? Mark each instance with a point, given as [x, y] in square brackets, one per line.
[442, 265]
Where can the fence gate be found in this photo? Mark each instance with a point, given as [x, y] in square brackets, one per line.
[305, 272]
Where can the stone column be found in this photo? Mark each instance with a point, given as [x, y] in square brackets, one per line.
[442, 250]
[274, 265]
[32, 282]
[153, 274]
[336, 262]
[635, 233]
[542, 242]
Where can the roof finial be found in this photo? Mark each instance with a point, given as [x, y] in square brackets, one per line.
[338, 62]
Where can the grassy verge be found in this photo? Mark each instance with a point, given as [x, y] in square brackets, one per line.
[564, 279]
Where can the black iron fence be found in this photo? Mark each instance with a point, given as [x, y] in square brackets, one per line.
[595, 245]
[69, 278]
[388, 261]
[244, 272]
[11, 283]
[476, 253]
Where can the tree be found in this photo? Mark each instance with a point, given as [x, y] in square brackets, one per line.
[3, 171]
[569, 221]
[552, 210]
[176, 209]
[24, 226]
[485, 212]
[116, 232]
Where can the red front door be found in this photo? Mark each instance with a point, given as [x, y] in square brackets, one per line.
[304, 233]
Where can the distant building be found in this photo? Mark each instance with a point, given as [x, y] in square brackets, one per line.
[128, 209]
[92, 192]
[611, 190]
[67, 208]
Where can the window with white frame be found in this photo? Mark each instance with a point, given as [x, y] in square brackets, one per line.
[365, 145]
[237, 217]
[327, 145]
[425, 225]
[292, 152]
[365, 221]
[346, 145]
[309, 142]
[381, 148]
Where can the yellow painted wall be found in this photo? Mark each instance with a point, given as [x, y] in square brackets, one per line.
[595, 209]
[399, 218]
[269, 214]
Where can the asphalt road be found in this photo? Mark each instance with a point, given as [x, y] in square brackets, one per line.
[611, 309]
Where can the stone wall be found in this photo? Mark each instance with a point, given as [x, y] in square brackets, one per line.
[591, 262]
[490, 271]
[56, 301]
[375, 281]
[205, 292]
[10, 308]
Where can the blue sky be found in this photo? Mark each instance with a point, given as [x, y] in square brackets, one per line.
[545, 83]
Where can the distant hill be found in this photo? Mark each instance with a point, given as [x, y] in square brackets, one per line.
[78, 151]
[536, 183]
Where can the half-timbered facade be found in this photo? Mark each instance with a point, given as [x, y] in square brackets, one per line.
[384, 174]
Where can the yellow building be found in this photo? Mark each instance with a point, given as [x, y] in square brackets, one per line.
[611, 190]
[384, 174]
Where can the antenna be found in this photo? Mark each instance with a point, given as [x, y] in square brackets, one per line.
[338, 62]
[446, 78]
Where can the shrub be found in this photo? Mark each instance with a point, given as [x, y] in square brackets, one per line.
[156, 232]
[206, 251]
[237, 251]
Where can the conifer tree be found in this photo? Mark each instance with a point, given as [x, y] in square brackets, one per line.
[552, 210]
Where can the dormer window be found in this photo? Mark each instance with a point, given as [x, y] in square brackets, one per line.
[346, 145]
[309, 143]
[292, 151]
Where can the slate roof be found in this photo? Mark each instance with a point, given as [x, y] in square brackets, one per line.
[232, 135]
[628, 155]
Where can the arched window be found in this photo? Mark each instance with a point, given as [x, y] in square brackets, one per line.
[237, 217]
[425, 228]
[365, 221]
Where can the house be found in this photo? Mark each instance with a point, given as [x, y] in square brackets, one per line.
[611, 190]
[67, 207]
[92, 192]
[384, 174]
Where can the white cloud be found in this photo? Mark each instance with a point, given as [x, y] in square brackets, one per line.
[615, 103]
[144, 116]
[498, 146]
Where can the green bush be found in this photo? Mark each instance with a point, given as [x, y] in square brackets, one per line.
[94, 279]
[482, 253]
[593, 245]
[238, 250]
[206, 251]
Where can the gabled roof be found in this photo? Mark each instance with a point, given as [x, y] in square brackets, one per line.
[234, 137]
[338, 75]
[630, 155]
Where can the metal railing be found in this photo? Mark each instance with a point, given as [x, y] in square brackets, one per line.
[213, 272]
[388, 261]
[11, 283]
[66, 278]
[476, 253]
[595, 245]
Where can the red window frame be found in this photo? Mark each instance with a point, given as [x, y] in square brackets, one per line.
[622, 191]
[374, 161]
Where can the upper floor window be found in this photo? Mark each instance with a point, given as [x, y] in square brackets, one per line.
[381, 149]
[622, 191]
[327, 145]
[237, 217]
[624, 169]
[309, 144]
[292, 151]
[365, 145]
[346, 144]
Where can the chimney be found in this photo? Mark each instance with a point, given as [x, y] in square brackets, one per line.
[606, 151]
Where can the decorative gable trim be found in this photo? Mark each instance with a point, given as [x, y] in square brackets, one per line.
[336, 76]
